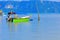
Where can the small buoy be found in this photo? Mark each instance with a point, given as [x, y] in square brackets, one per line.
[31, 19]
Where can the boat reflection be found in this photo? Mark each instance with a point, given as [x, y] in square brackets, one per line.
[10, 26]
[14, 27]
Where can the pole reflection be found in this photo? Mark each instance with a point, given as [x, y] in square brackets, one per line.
[1, 23]
[10, 26]
[0, 19]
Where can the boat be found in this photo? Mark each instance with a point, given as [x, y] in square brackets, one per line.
[22, 19]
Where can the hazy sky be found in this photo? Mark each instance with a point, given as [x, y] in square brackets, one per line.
[14, 0]
[51, 0]
[31, 0]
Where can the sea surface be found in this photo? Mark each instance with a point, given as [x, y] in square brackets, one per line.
[48, 28]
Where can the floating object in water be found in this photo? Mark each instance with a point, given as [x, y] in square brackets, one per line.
[31, 19]
[22, 19]
[0, 12]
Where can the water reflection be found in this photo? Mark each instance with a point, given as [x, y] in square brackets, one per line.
[24, 27]
[20, 31]
[14, 27]
[0, 19]
[24, 31]
[10, 26]
[38, 22]
[0, 23]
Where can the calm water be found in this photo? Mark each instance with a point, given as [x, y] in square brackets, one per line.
[48, 28]
[19, 31]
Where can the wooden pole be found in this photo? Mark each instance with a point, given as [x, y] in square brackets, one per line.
[38, 10]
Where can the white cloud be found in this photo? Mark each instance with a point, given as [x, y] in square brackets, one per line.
[9, 6]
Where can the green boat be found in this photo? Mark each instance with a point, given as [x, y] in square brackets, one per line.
[22, 19]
